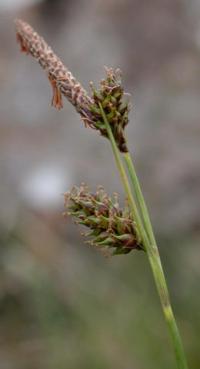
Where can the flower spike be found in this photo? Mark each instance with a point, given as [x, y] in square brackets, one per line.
[62, 80]
[110, 227]
[110, 95]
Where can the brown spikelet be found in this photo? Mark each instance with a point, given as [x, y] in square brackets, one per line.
[61, 79]
[110, 94]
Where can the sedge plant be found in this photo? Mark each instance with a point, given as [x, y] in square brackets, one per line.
[119, 230]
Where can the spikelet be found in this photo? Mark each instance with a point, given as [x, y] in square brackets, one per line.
[115, 104]
[61, 78]
[111, 94]
[110, 227]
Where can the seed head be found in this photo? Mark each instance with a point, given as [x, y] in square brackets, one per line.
[110, 227]
[116, 107]
[61, 78]
[110, 95]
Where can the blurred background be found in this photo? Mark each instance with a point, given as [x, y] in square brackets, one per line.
[62, 304]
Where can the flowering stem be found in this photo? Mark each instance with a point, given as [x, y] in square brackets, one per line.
[138, 194]
[156, 266]
[146, 234]
[64, 83]
[136, 216]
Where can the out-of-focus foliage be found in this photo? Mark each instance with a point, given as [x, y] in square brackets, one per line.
[62, 304]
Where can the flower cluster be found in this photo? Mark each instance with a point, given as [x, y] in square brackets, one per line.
[116, 107]
[61, 79]
[110, 95]
[110, 227]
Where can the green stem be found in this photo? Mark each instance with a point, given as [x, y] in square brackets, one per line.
[146, 233]
[136, 216]
[139, 196]
[154, 258]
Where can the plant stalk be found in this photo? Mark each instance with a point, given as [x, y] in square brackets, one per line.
[143, 223]
[155, 261]
[136, 216]
[139, 196]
